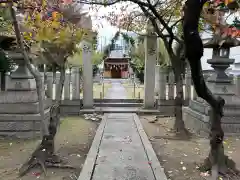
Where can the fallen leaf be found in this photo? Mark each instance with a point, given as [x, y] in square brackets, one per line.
[36, 174]
[204, 174]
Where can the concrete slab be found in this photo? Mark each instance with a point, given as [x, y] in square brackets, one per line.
[123, 153]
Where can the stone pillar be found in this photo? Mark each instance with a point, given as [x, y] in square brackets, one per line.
[157, 78]
[150, 63]
[67, 86]
[75, 83]
[87, 76]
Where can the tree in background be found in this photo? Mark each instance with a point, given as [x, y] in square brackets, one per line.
[138, 57]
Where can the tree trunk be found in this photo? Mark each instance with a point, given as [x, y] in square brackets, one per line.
[35, 73]
[44, 152]
[55, 112]
[194, 52]
[179, 125]
[178, 65]
[3, 79]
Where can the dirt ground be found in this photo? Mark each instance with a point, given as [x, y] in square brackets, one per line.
[73, 142]
[181, 158]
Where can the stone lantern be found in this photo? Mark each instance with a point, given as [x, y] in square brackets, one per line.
[196, 116]
[19, 109]
[220, 82]
[27, 81]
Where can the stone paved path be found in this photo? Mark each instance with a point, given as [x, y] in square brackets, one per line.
[121, 149]
[121, 154]
[117, 91]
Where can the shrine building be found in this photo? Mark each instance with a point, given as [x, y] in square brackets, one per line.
[116, 65]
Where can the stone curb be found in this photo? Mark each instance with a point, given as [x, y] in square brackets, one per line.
[89, 164]
[157, 169]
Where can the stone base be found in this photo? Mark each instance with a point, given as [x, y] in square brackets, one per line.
[22, 120]
[167, 107]
[70, 107]
[196, 117]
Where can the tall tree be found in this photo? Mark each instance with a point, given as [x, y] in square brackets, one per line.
[216, 161]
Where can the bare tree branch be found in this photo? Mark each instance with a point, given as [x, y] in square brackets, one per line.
[174, 24]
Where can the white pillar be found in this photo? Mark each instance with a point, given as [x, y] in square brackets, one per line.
[50, 84]
[87, 76]
[188, 84]
[67, 86]
[150, 63]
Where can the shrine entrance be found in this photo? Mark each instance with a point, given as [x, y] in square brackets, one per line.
[116, 68]
[116, 73]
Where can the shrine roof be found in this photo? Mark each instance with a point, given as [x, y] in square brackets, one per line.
[217, 41]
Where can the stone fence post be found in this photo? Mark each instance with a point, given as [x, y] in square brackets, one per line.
[171, 85]
[67, 86]
[237, 85]
[162, 84]
[49, 90]
[75, 83]
[157, 79]
[188, 85]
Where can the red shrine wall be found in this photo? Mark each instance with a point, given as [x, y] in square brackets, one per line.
[117, 69]
[108, 74]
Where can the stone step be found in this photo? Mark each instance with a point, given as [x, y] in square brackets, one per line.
[119, 110]
[118, 100]
[117, 104]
